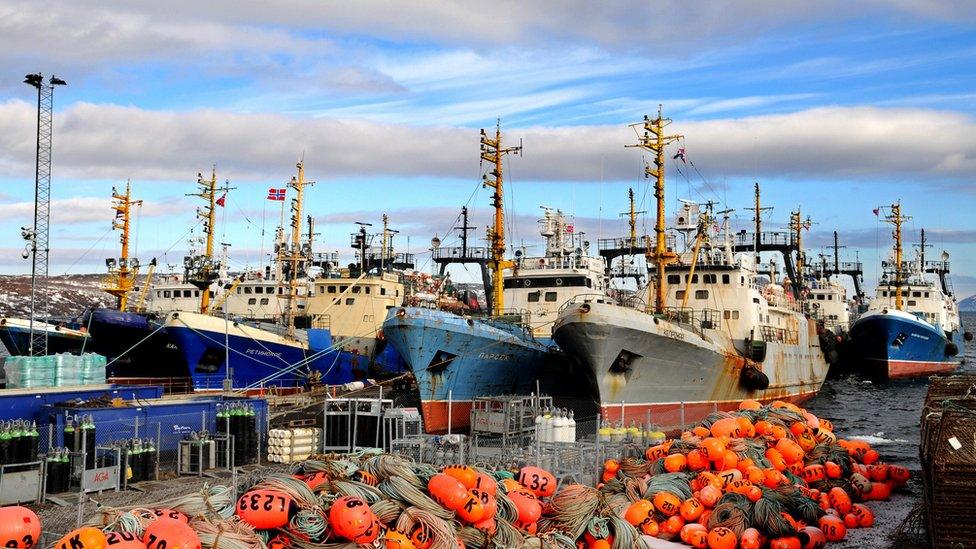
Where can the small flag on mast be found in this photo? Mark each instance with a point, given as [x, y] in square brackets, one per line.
[680, 154]
[276, 194]
[222, 200]
[876, 211]
[570, 229]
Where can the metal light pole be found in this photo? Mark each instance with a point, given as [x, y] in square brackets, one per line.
[38, 238]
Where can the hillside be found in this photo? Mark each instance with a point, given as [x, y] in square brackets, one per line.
[968, 304]
[68, 295]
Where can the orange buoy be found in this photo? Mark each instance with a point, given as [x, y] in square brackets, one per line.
[397, 540]
[850, 521]
[19, 527]
[824, 425]
[638, 511]
[529, 508]
[447, 490]
[487, 500]
[764, 427]
[751, 539]
[750, 405]
[366, 478]
[170, 513]
[511, 485]
[870, 457]
[351, 518]
[649, 527]
[691, 509]
[814, 473]
[833, 528]
[840, 500]
[722, 538]
[696, 461]
[773, 476]
[709, 495]
[279, 542]
[754, 474]
[739, 486]
[422, 536]
[754, 493]
[541, 482]
[832, 470]
[811, 537]
[464, 474]
[878, 473]
[865, 518]
[123, 540]
[472, 510]
[675, 463]
[655, 453]
[667, 503]
[672, 525]
[712, 448]
[790, 542]
[487, 484]
[699, 538]
[861, 484]
[746, 428]
[791, 451]
[700, 432]
[82, 538]
[880, 491]
[167, 533]
[314, 480]
[899, 474]
[487, 525]
[265, 509]
[688, 528]
[729, 476]
[703, 519]
[725, 427]
[599, 544]
[778, 432]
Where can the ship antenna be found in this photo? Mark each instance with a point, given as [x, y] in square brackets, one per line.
[492, 152]
[202, 270]
[798, 225]
[653, 139]
[122, 274]
[758, 221]
[897, 219]
[632, 218]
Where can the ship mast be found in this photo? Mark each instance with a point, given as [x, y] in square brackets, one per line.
[897, 219]
[797, 225]
[758, 221]
[124, 275]
[654, 140]
[204, 272]
[493, 152]
[294, 254]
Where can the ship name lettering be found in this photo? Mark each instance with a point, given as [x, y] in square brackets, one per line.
[495, 356]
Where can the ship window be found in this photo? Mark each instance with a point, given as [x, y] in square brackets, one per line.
[269, 290]
[343, 289]
[196, 293]
[674, 279]
[710, 278]
[166, 293]
[735, 315]
[701, 294]
[264, 301]
[884, 293]
[382, 291]
[367, 289]
[742, 281]
[159, 294]
[820, 297]
[356, 289]
[332, 289]
[534, 297]
[337, 301]
[830, 297]
[680, 294]
[725, 279]
[755, 300]
[926, 294]
[589, 283]
[911, 302]
[727, 314]
[247, 289]
[550, 296]
[238, 290]
[916, 294]
[252, 301]
[259, 290]
[350, 300]
[281, 290]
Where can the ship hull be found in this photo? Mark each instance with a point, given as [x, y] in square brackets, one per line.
[135, 346]
[455, 360]
[651, 371]
[257, 358]
[894, 344]
[15, 335]
[370, 357]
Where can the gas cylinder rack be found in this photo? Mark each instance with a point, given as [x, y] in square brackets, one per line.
[505, 423]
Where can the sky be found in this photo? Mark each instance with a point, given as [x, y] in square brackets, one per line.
[834, 107]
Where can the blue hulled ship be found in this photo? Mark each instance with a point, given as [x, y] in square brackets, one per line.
[911, 327]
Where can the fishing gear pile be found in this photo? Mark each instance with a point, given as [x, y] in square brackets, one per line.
[761, 476]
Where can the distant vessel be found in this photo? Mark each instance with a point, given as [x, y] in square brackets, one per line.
[62, 337]
[912, 327]
[221, 351]
[827, 302]
[723, 335]
[458, 357]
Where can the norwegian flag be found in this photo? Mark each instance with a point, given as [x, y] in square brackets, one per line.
[276, 194]
[570, 229]
[222, 201]
[680, 154]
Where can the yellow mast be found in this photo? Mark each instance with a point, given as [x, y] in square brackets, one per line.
[797, 225]
[654, 140]
[124, 276]
[208, 191]
[896, 219]
[294, 254]
[493, 152]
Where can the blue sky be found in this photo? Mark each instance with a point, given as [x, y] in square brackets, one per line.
[831, 107]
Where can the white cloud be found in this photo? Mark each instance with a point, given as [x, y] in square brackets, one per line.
[98, 141]
[83, 209]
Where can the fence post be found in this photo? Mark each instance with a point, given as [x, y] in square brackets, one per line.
[136, 434]
[159, 441]
[682, 415]
[262, 428]
[50, 436]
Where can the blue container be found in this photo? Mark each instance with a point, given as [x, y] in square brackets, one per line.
[29, 403]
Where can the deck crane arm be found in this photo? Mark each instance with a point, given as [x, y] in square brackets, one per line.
[230, 289]
[141, 306]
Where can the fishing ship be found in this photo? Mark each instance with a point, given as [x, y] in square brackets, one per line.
[458, 357]
[352, 302]
[131, 340]
[63, 336]
[723, 334]
[911, 327]
[221, 352]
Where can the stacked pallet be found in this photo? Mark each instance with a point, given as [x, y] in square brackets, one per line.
[289, 445]
[948, 455]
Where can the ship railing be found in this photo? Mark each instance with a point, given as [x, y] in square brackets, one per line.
[775, 334]
[323, 322]
[539, 263]
[579, 299]
[459, 253]
[699, 319]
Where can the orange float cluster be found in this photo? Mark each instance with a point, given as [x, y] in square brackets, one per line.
[20, 528]
[764, 476]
